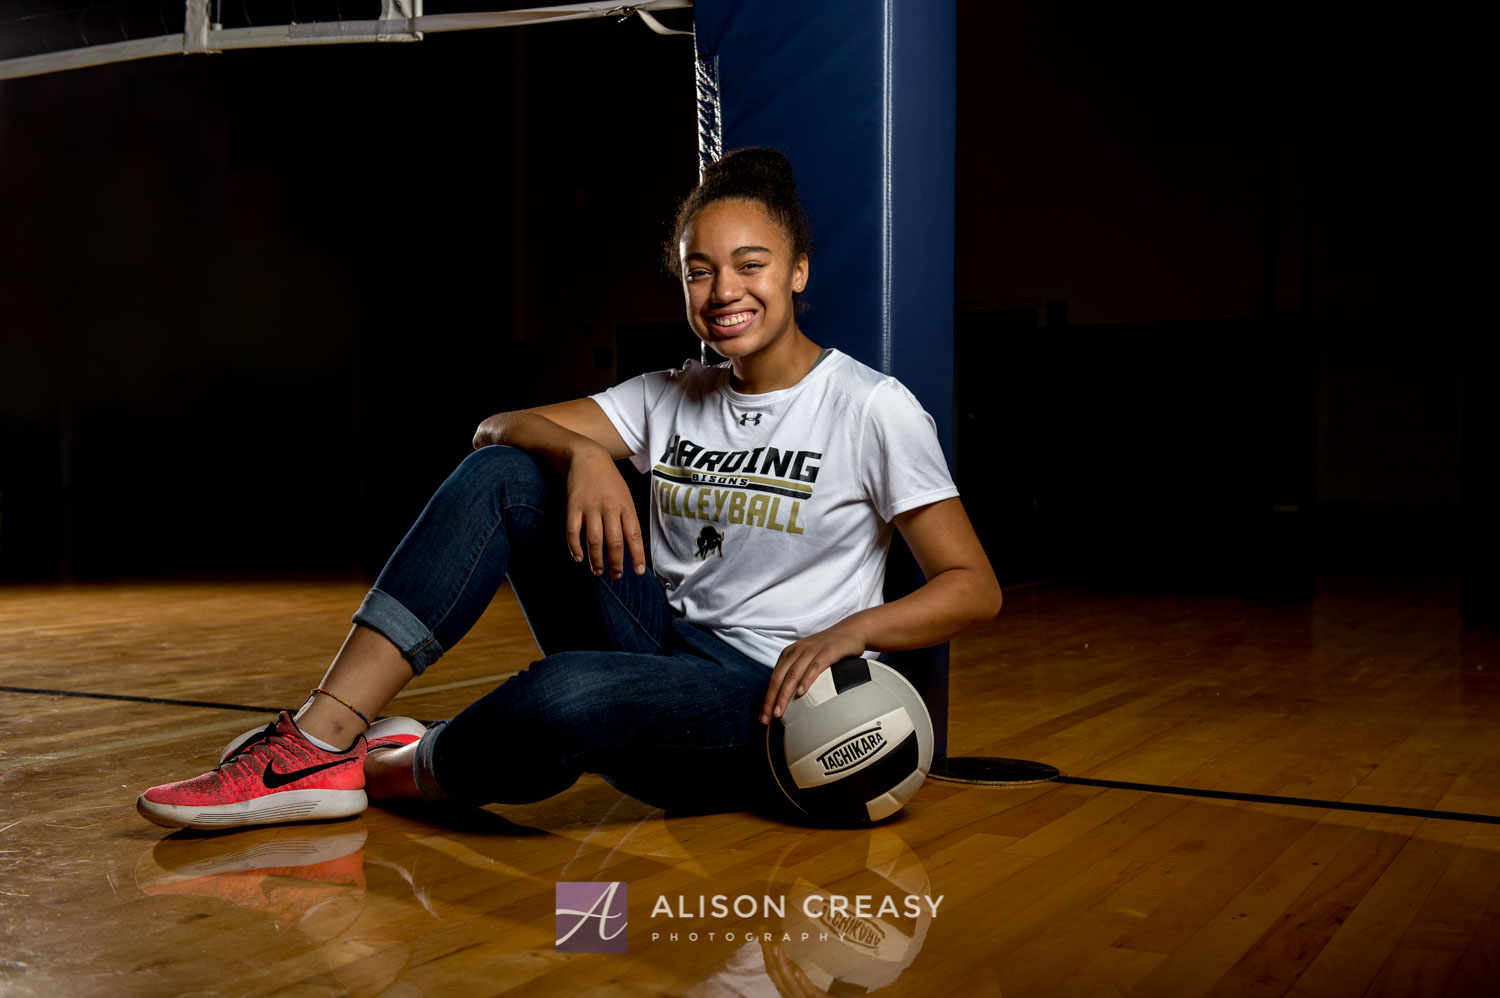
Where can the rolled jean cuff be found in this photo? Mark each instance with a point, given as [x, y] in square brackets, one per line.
[383, 613]
[421, 766]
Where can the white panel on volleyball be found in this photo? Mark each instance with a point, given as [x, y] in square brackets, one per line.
[851, 751]
[821, 689]
[888, 804]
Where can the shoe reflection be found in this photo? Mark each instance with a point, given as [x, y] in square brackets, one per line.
[307, 877]
[284, 870]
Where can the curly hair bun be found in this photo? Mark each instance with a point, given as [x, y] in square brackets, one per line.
[753, 166]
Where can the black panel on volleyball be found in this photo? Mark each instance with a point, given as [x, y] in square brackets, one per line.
[849, 673]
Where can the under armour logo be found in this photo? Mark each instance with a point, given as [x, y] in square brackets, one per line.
[746, 418]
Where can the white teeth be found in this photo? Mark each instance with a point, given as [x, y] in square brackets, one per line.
[731, 320]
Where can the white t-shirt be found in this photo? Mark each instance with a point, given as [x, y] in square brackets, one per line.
[771, 513]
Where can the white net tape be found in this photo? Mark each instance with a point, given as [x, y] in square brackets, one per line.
[46, 36]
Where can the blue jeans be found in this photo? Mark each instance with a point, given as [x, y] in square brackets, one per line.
[663, 710]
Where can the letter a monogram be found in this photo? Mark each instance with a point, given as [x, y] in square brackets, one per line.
[591, 917]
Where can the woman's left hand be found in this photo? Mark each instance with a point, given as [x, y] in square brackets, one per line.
[802, 661]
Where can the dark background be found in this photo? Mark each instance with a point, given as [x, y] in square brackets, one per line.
[1217, 289]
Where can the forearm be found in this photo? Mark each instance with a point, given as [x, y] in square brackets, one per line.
[949, 603]
[952, 601]
[536, 435]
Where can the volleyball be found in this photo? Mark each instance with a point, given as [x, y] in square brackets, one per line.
[853, 748]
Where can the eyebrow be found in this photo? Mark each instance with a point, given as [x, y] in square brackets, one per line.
[737, 253]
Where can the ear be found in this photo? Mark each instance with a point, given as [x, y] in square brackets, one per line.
[799, 273]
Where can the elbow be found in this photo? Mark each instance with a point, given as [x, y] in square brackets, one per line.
[482, 433]
[490, 431]
[976, 601]
[988, 598]
[993, 599]
[980, 600]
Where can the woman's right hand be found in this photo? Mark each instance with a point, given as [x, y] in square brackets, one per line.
[601, 521]
[578, 442]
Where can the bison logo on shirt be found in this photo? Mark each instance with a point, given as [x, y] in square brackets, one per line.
[710, 539]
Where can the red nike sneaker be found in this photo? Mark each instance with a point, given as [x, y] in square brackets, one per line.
[275, 775]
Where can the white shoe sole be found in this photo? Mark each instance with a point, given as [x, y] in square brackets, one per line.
[289, 805]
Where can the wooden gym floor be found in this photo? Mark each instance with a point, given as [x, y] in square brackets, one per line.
[1376, 698]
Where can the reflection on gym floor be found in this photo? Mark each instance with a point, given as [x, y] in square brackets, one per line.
[836, 909]
[1376, 699]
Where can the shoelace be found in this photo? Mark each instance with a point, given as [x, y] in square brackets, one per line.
[269, 731]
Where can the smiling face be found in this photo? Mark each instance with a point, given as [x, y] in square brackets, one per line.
[738, 276]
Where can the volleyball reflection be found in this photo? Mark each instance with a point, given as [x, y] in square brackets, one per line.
[858, 909]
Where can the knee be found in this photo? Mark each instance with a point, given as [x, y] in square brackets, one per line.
[500, 459]
[502, 468]
[569, 694]
[543, 708]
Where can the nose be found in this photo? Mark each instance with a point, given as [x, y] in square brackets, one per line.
[727, 287]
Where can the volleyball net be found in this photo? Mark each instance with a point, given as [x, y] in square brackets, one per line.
[48, 36]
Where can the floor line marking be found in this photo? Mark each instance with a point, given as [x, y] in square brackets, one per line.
[457, 684]
[493, 679]
[270, 713]
[267, 713]
[1334, 805]
[138, 699]
[167, 736]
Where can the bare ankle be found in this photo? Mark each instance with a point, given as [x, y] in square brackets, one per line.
[336, 727]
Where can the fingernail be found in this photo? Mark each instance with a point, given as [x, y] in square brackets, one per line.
[799, 691]
[640, 570]
[764, 719]
[777, 711]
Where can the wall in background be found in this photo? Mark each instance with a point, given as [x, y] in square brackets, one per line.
[255, 304]
[1218, 266]
[1215, 275]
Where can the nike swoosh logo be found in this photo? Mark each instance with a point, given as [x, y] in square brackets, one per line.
[273, 779]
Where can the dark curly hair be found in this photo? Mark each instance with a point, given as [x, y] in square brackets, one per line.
[754, 174]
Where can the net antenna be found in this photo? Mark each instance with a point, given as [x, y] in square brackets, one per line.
[27, 41]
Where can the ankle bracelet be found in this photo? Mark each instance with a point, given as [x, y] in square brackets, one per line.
[341, 700]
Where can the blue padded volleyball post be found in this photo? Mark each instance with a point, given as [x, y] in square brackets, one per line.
[860, 95]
